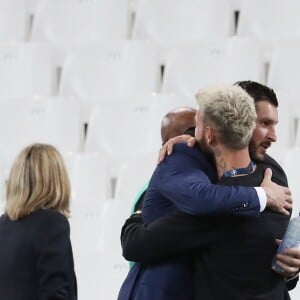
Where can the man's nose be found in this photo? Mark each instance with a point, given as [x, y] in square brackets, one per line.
[272, 134]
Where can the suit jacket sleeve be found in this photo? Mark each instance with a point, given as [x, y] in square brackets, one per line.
[55, 266]
[176, 233]
[182, 178]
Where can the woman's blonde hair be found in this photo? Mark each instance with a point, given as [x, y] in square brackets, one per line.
[38, 179]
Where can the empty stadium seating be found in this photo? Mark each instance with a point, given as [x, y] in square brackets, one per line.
[118, 67]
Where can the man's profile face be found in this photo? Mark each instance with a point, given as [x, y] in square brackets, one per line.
[264, 133]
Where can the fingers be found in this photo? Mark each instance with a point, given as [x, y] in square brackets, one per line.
[288, 205]
[287, 191]
[288, 271]
[294, 253]
[278, 242]
[284, 211]
[267, 175]
[167, 148]
[170, 146]
[162, 154]
[191, 142]
[289, 264]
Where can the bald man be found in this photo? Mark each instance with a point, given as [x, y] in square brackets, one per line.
[174, 123]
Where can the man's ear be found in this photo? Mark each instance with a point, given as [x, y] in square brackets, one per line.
[210, 136]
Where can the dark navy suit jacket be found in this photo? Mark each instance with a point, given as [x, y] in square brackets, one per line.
[182, 182]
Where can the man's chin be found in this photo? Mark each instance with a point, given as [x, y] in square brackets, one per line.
[260, 155]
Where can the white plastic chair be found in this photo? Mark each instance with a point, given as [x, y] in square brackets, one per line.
[100, 274]
[164, 102]
[14, 21]
[118, 68]
[47, 120]
[236, 4]
[90, 184]
[285, 67]
[133, 174]
[69, 24]
[171, 22]
[32, 5]
[288, 114]
[213, 61]
[269, 21]
[291, 165]
[99, 265]
[123, 131]
[26, 69]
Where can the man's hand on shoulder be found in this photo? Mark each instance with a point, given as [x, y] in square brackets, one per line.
[279, 197]
[167, 148]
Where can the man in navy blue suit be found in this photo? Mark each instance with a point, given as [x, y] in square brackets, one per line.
[183, 182]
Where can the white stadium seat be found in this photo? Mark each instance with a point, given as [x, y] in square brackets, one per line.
[134, 174]
[90, 184]
[119, 68]
[123, 131]
[26, 69]
[171, 22]
[212, 61]
[69, 24]
[284, 70]
[269, 21]
[14, 21]
[48, 120]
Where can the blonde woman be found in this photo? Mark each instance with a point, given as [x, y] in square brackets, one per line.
[36, 260]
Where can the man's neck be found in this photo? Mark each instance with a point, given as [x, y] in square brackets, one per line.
[228, 159]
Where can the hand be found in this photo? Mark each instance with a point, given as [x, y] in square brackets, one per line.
[167, 148]
[278, 197]
[289, 261]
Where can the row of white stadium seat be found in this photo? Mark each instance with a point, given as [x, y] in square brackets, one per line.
[65, 24]
[119, 68]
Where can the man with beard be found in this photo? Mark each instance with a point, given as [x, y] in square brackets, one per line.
[173, 185]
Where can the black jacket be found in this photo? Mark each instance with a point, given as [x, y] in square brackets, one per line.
[36, 260]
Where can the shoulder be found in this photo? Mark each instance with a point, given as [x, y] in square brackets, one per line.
[49, 220]
[49, 214]
[271, 161]
[278, 175]
[195, 152]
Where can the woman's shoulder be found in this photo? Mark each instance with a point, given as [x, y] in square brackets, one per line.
[49, 218]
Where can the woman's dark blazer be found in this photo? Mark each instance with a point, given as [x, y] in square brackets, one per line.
[36, 259]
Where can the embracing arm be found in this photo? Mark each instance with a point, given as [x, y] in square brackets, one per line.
[183, 179]
[178, 231]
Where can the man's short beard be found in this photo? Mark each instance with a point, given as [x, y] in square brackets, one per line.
[205, 148]
[252, 152]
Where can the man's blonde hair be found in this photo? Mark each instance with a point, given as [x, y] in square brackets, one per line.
[38, 180]
[230, 111]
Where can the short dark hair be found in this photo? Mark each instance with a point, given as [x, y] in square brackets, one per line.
[259, 92]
